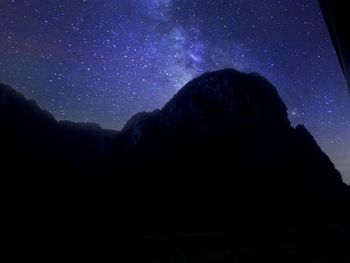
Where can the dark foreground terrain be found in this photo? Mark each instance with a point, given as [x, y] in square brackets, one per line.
[272, 244]
[218, 174]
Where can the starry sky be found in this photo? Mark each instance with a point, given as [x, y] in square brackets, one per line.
[104, 60]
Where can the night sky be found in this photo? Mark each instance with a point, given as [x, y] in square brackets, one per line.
[104, 60]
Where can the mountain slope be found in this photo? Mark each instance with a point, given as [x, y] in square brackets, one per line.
[29, 134]
[221, 154]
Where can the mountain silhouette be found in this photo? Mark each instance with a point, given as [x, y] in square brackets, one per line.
[30, 133]
[223, 141]
[220, 153]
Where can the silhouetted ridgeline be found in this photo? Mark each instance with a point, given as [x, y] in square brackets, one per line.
[221, 154]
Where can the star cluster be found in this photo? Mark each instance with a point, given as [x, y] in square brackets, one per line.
[104, 60]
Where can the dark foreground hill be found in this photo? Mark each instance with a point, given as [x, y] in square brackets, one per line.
[219, 159]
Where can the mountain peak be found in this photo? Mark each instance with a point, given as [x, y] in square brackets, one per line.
[215, 104]
[229, 93]
[234, 127]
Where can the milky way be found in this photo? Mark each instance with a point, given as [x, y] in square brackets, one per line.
[104, 60]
